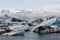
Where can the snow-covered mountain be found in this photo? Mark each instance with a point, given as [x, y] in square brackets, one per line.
[31, 15]
[30, 11]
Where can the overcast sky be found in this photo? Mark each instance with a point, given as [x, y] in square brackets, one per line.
[30, 4]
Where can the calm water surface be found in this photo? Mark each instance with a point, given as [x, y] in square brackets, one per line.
[32, 36]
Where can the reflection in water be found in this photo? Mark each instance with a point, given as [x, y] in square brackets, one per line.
[33, 36]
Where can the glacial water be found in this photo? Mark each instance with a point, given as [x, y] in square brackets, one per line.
[33, 36]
